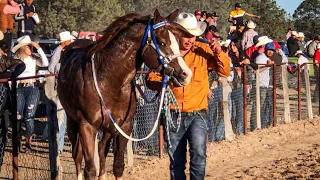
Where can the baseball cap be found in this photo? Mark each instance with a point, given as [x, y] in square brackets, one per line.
[197, 13]
[270, 46]
[237, 5]
[215, 14]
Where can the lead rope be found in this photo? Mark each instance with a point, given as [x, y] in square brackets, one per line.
[168, 99]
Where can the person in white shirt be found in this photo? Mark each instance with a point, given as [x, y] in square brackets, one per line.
[302, 60]
[27, 94]
[265, 90]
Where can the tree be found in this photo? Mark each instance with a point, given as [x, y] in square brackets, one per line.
[84, 15]
[307, 18]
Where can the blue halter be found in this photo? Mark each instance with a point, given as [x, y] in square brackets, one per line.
[150, 29]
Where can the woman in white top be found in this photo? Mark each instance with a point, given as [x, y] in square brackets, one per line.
[27, 93]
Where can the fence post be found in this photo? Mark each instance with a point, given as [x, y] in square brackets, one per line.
[161, 140]
[245, 125]
[299, 93]
[226, 89]
[15, 137]
[308, 90]
[286, 101]
[274, 95]
[258, 106]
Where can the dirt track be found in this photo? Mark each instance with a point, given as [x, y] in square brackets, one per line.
[286, 152]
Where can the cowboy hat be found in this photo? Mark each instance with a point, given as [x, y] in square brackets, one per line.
[294, 33]
[22, 41]
[298, 52]
[318, 46]
[1, 35]
[263, 40]
[66, 36]
[251, 25]
[225, 43]
[190, 23]
[301, 35]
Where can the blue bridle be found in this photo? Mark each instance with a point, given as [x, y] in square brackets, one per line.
[150, 32]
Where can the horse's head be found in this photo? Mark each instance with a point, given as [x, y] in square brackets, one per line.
[160, 49]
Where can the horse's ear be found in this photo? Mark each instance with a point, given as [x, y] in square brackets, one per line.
[172, 17]
[156, 17]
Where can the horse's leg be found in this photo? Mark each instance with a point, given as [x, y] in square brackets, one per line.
[87, 136]
[120, 144]
[104, 146]
[73, 134]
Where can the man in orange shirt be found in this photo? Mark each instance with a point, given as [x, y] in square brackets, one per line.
[192, 100]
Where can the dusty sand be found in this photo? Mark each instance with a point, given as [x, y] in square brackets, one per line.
[288, 151]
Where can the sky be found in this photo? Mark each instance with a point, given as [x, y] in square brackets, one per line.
[289, 5]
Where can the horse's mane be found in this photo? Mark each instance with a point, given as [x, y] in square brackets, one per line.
[114, 29]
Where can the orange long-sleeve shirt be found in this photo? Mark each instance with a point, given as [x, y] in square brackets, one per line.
[193, 96]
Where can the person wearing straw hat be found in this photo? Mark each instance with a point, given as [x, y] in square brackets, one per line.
[300, 38]
[192, 99]
[292, 43]
[27, 93]
[9, 67]
[247, 38]
[57, 115]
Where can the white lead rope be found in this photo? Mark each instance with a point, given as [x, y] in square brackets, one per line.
[114, 123]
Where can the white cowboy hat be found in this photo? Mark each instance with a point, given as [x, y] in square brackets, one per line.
[190, 23]
[294, 33]
[66, 36]
[75, 34]
[301, 35]
[298, 52]
[318, 46]
[251, 25]
[225, 43]
[1, 35]
[22, 41]
[263, 40]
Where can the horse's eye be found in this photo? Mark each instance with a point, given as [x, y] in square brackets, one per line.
[163, 44]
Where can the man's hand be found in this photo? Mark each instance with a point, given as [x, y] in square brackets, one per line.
[2, 52]
[258, 17]
[35, 44]
[245, 61]
[30, 14]
[216, 47]
[210, 94]
[270, 62]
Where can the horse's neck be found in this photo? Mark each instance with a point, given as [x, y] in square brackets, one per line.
[119, 60]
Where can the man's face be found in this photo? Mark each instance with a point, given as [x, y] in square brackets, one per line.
[186, 43]
[29, 2]
[198, 17]
[238, 8]
[269, 53]
[209, 19]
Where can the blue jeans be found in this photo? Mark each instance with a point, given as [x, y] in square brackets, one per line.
[237, 111]
[27, 103]
[193, 129]
[62, 124]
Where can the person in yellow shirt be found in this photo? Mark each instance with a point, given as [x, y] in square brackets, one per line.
[192, 99]
[236, 16]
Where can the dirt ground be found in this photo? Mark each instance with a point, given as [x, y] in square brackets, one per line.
[290, 151]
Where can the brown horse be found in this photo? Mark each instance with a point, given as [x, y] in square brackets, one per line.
[116, 57]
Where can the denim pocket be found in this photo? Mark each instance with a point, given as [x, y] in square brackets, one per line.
[204, 118]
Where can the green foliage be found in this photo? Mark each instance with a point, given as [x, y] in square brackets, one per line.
[61, 15]
[307, 18]
[88, 15]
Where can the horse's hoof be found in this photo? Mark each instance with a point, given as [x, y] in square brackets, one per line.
[103, 177]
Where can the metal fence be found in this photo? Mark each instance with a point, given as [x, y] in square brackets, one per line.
[236, 106]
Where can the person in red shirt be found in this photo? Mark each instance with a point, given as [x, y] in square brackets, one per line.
[316, 59]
